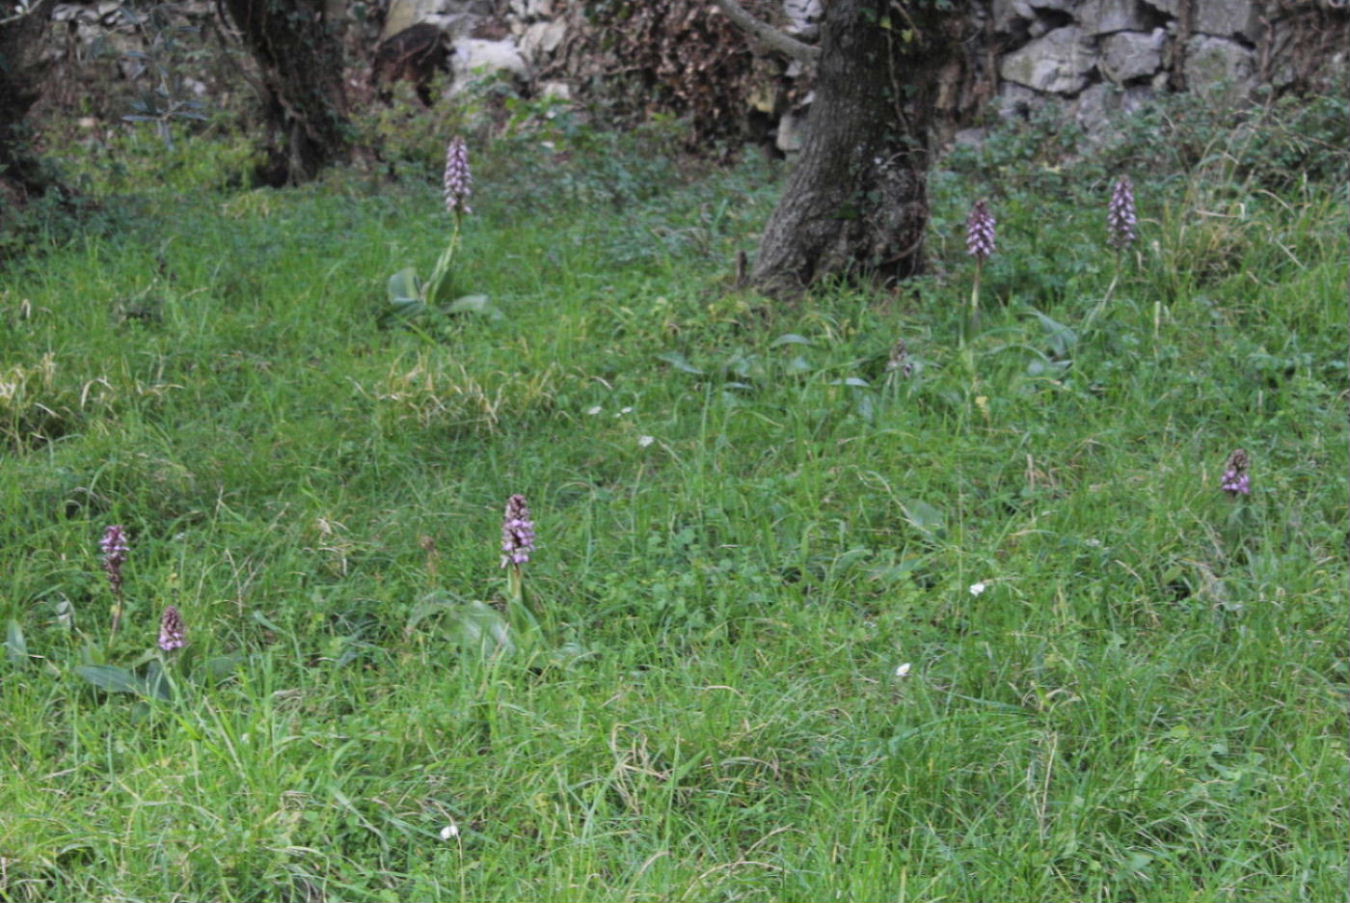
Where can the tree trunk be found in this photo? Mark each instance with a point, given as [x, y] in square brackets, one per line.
[856, 200]
[300, 61]
[21, 175]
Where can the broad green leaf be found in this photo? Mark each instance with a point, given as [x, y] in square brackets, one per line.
[401, 308]
[1062, 338]
[112, 678]
[430, 604]
[405, 286]
[474, 304]
[219, 667]
[790, 339]
[156, 682]
[928, 520]
[679, 362]
[482, 627]
[16, 647]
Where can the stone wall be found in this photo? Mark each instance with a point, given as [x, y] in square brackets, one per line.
[1093, 60]
[1099, 58]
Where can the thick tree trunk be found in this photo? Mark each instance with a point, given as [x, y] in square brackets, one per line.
[301, 65]
[21, 175]
[856, 201]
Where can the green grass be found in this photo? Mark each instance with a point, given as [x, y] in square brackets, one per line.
[746, 525]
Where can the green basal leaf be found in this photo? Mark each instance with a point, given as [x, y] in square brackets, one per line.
[475, 304]
[1062, 338]
[482, 627]
[928, 520]
[111, 678]
[430, 604]
[404, 286]
[679, 362]
[16, 647]
[156, 683]
[219, 667]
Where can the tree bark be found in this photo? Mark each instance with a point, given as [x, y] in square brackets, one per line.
[21, 174]
[300, 61]
[856, 202]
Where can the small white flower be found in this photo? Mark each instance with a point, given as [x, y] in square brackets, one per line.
[450, 831]
[903, 670]
[977, 588]
[623, 411]
[595, 410]
[644, 441]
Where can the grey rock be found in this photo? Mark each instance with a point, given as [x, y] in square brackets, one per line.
[1057, 63]
[1016, 102]
[531, 9]
[1218, 64]
[542, 38]
[474, 58]
[1137, 98]
[1109, 16]
[791, 131]
[404, 14]
[1128, 55]
[1228, 18]
[556, 89]
[1008, 13]
[970, 137]
[1095, 109]
[803, 17]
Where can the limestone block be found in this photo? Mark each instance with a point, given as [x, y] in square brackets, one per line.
[1008, 13]
[1228, 18]
[1096, 107]
[404, 14]
[474, 57]
[803, 17]
[557, 90]
[1136, 98]
[542, 38]
[1017, 102]
[791, 131]
[1127, 55]
[1057, 63]
[1212, 62]
[1109, 16]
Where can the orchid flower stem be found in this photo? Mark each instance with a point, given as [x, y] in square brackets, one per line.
[975, 295]
[515, 585]
[1106, 298]
[442, 269]
[118, 607]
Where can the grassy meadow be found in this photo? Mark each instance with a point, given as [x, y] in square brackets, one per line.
[806, 619]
